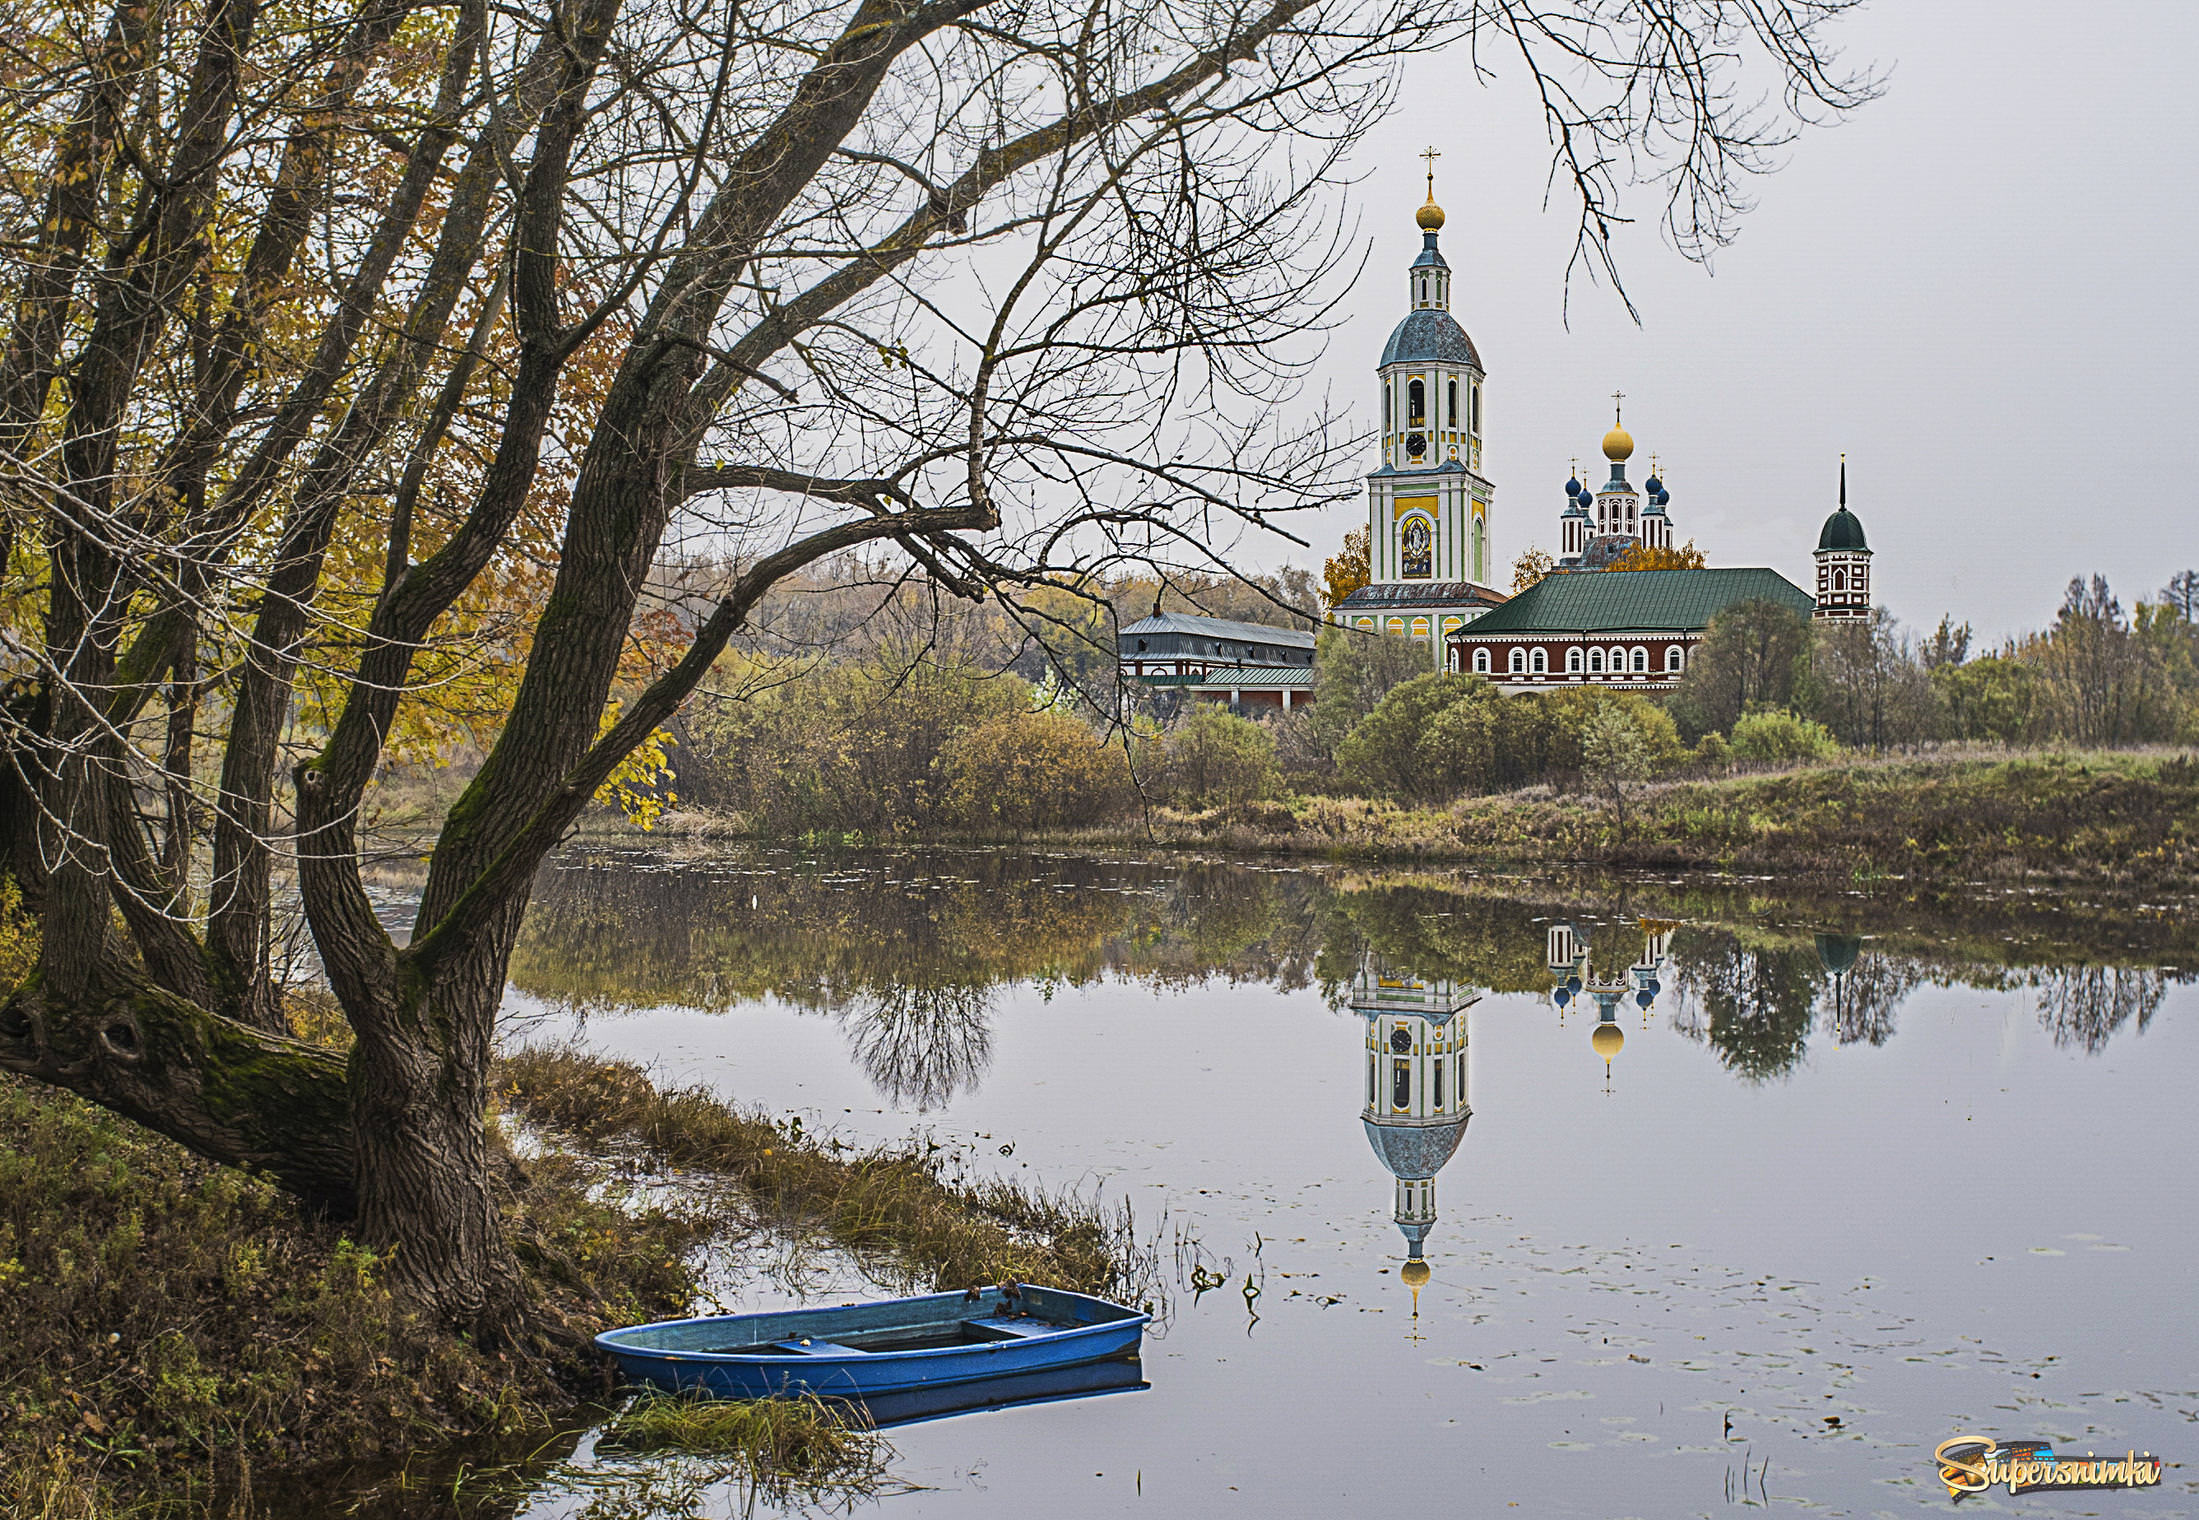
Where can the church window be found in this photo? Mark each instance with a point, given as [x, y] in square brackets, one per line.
[1618, 660]
[1420, 627]
[1396, 627]
[1541, 661]
[1367, 623]
[1374, 1072]
[1840, 580]
[1416, 404]
[1141, 646]
[1518, 661]
[1641, 660]
[1675, 657]
[1439, 1084]
[1572, 662]
[1481, 662]
[1386, 424]
[1595, 662]
[1401, 1084]
[1476, 420]
[1451, 419]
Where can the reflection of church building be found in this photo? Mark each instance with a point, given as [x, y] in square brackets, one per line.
[1575, 981]
[1416, 1109]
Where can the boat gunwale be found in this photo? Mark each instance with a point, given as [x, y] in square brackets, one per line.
[609, 1341]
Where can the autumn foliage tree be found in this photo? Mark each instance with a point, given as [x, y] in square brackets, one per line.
[362, 362]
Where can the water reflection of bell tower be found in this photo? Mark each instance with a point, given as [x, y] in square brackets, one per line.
[1416, 1109]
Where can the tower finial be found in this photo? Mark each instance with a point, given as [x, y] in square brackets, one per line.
[1430, 216]
[1843, 480]
[1618, 403]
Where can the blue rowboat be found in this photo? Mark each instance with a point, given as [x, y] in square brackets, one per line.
[859, 1350]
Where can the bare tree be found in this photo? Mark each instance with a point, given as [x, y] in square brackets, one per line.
[363, 364]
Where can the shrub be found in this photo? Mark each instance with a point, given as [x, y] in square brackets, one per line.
[1214, 758]
[1781, 738]
[1713, 754]
[1024, 770]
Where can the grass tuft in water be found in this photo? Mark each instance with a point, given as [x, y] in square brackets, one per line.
[891, 1206]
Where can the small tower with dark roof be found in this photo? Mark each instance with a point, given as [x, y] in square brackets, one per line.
[1843, 562]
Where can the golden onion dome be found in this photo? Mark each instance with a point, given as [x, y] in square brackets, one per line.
[1414, 1274]
[1430, 216]
[1618, 445]
[1607, 1041]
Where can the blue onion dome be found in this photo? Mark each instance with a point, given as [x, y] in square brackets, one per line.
[1653, 485]
[1572, 485]
[1843, 530]
[1663, 496]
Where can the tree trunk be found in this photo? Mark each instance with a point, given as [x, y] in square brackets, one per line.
[234, 1094]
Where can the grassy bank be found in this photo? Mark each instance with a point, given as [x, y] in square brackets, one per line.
[179, 1332]
[183, 1340]
[2120, 821]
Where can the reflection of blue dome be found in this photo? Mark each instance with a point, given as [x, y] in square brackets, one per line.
[1411, 1150]
[1429, 335]
[1644, 998]
[1573, 983]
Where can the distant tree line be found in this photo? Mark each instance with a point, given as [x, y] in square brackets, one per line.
[861, 709]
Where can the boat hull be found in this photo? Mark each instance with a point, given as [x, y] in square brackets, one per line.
[861, 1351]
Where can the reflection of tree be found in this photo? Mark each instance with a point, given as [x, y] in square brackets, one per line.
[1859, 1003]
[920, 1045]
[2084, 1005]
[1758, 1004]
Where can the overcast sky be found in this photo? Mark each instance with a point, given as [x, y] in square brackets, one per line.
[1979, 286]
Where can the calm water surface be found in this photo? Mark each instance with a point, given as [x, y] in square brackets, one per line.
[1742, 1202]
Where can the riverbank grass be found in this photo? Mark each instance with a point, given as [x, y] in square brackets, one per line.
[896, 1208]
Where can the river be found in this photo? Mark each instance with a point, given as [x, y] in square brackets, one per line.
[1725, 1198]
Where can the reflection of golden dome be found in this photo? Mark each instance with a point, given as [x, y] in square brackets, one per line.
[1430, 216]
[1607, 1041]
[1414, 1274]
[1618, 445]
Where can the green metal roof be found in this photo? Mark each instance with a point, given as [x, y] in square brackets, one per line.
[1241, 677]
[1634, 601]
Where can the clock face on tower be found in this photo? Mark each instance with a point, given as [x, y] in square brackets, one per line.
[1416, 445]
[1418, 542]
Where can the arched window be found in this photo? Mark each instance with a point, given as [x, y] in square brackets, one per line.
[1519, 661]
[1595, 662]
[1541, 662]
[1454, 661]
[1481, 662]
[1420, 627]
[1618, 659]
[1386, 423]
[1439, 1083]
[1374, 1070]
[1451, 418]
[1675, 657]
[1416, 404]
[1366, 623]
[1396, 627]
[1573, 661]
[1401, 1084]
[1477, 410]
[1641, 659]
[1840, 580]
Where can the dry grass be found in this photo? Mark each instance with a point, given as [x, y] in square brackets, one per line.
[892, 1207]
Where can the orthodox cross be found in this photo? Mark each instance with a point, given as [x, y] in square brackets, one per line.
[1431, 155]
[1618, 399]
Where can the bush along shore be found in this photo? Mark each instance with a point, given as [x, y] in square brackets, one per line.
[184, 1340]
[2114, 821]
[2118, 822]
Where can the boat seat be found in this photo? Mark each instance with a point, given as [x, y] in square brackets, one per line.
[1015, 1327]
[814, 1347]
